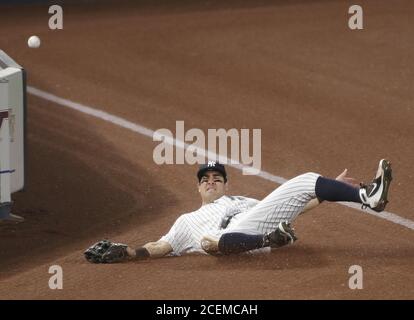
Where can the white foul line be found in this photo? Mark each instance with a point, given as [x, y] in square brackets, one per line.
[181, 144]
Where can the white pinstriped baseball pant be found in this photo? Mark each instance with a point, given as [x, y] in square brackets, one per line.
[284, 203]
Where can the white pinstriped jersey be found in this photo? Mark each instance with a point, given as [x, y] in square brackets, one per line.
[188, 230]
[248, 215]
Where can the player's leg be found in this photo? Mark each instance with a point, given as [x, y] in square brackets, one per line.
[302, 188]
[286, 202]
[283, 204]
[374, 195]
[237, 242]
[230, 243]
[251, 230]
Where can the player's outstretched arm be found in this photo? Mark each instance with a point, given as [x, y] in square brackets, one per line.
[156, 249]
[106, 251]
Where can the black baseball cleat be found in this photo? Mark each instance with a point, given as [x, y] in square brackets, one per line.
[283, 235]
[375, 195]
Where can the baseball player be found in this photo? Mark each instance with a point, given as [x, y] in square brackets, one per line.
[233, 224]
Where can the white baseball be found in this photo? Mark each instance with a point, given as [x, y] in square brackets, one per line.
[33, 42]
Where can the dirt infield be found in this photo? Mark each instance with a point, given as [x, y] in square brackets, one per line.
[325, 97]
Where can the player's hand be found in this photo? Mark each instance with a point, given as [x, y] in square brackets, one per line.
[343, 178]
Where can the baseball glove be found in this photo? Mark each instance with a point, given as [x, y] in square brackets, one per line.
[106, 251]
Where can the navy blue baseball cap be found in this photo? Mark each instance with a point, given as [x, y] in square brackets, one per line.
[211, 166]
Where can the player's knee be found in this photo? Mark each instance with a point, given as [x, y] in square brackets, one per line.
[209, 244]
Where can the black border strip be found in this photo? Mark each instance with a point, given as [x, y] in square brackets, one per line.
[267, 309]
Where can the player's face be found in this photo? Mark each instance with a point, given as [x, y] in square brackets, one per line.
[211, 186]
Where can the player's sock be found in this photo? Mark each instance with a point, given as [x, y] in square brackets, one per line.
[333, 190]
[236, 242]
